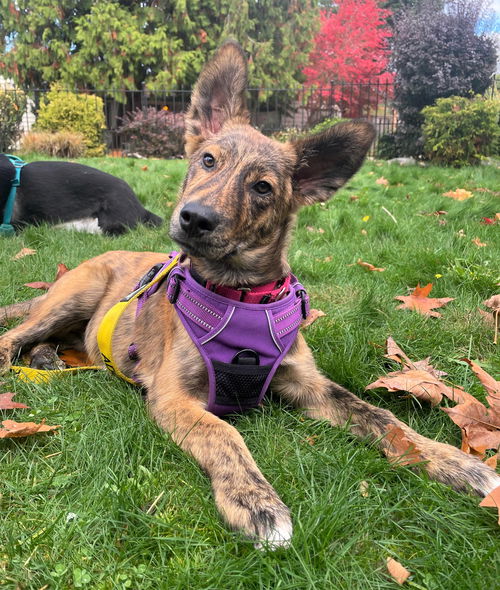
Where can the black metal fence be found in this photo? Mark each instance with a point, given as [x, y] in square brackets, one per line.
[273, 110]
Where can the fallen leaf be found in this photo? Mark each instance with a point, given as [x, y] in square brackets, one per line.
[458, 194]
[420, 384]
[492, 461]
[399, 573]
[480, 426]
[315, 230]
[6, 402]
[382, 181]
[369, 266]
[491, 385]
[420, 302]
[364, 489]
[12, 429]
[144, 168]
[24, 252]
[492, 500]
[353, 198]
[39, 285]
[74, 358]
[314, 314]
[402, 450]
[478, 243]
[493, 302]
[61, 270]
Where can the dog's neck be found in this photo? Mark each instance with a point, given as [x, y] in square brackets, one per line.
[252, 268]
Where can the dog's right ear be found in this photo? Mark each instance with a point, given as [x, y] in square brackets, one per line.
[219, 95]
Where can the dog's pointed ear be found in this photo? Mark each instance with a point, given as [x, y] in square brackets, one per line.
[219, 95]
[327, 160]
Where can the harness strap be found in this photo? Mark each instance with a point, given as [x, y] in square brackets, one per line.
[110, 320]
[6, 227]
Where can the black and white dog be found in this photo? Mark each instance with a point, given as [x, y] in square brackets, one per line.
[72, 194]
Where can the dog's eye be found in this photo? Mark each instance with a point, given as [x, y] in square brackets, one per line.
[208, 160]
[262, 187]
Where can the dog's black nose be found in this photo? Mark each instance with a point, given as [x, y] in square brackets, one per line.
[197, 220]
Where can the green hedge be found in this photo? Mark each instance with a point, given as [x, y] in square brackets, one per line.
[63, 110]
[460, 131]
[12, 109]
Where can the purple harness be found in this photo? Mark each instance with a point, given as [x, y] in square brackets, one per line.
[242, 344]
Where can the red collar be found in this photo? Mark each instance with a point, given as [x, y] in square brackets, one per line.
[261, 294]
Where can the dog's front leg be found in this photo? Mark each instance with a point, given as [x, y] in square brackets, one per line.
[242, 494]
[300, 383]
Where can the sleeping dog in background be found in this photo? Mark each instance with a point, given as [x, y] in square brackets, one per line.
[73, 194]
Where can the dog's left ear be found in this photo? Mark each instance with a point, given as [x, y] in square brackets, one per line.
[327, 160]
[219, 95]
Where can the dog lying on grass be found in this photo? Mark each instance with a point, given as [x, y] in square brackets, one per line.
[233, 220]
[67, 192]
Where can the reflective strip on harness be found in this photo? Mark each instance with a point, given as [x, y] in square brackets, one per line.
[113, 315]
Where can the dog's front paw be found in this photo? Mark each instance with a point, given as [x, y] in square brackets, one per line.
[260, 515]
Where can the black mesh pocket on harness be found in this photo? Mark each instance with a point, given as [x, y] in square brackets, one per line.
[239, 385]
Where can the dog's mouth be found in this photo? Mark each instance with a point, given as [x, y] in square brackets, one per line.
[204, 248]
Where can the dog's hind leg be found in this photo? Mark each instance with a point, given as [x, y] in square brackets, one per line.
[19, 310]
[70, 300]
[300, 383]
[242, 494]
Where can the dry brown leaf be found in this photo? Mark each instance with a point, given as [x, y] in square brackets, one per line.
[314, 314]
[420, 384]
[6, 402]
[478, 243]
[402, 450]
[493, 317]
[420, 301]
[61, 270]
[364, 489]
[491, 385]
[492, 461]
[74, 358]
[12, 429]
[480, 426]
[397, 572]
[382, 181]
[458, 194]
[369, 266]
[492, 500]
[395, 353]
[24, 252]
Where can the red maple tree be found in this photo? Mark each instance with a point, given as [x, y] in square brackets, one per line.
[348, 65]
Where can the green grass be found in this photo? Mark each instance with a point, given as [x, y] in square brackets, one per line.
[109, 462]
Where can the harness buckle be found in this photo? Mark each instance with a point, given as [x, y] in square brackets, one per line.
[247, 356]
[174, 295]
[303, 301]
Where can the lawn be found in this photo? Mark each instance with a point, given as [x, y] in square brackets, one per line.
[110, 502]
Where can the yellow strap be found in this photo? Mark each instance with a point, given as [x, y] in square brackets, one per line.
[44, 376]
[113, 315]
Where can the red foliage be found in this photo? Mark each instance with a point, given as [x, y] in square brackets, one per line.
[350, 57]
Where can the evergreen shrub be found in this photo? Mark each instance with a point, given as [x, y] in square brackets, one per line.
[12, 108]
[460, 131]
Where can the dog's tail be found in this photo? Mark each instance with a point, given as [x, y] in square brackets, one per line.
[18, 310]
[151, 219]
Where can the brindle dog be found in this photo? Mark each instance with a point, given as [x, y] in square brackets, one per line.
[234, 217]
